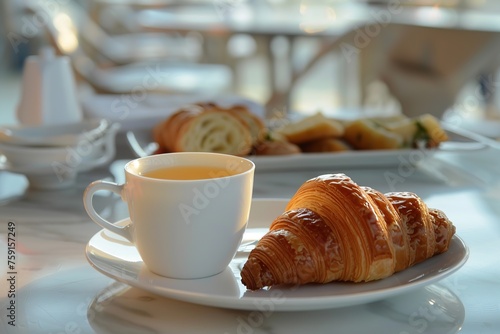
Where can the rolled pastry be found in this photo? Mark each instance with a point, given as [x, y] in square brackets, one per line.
[202, 128]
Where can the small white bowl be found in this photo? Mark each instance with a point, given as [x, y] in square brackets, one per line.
[57, 167]
[57, 135]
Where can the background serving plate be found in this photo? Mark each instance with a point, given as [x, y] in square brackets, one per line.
[118, 259]
[137, 117]
[141, 144]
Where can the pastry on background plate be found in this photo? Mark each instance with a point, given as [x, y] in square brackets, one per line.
[311, 128]
[206, 128]
[276, 147]
[326, 145]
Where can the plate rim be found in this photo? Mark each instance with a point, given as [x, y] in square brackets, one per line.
[352, 158]
[292, 303]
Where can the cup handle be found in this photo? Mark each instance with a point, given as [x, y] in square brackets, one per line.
[124, 231]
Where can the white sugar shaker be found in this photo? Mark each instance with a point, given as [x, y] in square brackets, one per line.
[49, 94]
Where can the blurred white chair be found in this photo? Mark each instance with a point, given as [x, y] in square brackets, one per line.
[134, 47]
[425, 68]
[158, 75]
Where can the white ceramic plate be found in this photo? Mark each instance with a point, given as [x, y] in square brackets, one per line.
[118, 259]
[141, 144]
[354, 159]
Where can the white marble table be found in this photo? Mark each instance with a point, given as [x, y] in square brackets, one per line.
[57, 291]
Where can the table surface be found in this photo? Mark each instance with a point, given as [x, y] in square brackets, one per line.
[57, 291]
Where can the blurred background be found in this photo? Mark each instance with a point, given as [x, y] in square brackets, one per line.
[337, 56]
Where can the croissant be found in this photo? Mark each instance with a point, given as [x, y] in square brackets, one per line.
[335, 230]
[204, 128]
[256, 125]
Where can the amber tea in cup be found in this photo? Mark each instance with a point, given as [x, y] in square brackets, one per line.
[189, 173]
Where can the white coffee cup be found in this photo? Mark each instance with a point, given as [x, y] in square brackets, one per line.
[183, 229]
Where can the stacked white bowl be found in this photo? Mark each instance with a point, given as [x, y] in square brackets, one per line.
[52, 155]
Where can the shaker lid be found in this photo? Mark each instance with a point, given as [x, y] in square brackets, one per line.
[47, 53]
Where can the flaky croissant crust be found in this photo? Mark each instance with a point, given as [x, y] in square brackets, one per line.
[205, 128]
[335, 230]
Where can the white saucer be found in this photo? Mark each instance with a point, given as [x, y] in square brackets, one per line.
[41, 176]
[118, 259]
